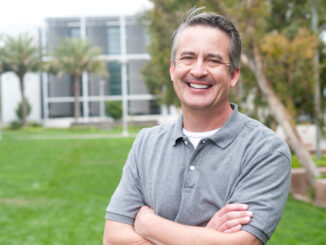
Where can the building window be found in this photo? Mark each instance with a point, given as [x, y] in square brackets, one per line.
[74, 32]
[115, 78]
[113, 40]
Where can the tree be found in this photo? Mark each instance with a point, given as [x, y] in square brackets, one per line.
[21, 55]
[255, 28]
[323, 81]
[162, 20]
[1, 58]
[76, 56]
[1, 71]
[276, 30]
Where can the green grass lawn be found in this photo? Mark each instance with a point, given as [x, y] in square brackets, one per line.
[301, 224]
[319, 163]
[35, 132]
[56, 191]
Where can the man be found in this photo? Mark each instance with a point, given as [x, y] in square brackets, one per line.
[214, 176]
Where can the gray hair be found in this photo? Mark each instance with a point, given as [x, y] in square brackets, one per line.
[216, 21]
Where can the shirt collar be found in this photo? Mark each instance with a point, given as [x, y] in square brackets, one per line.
[178, 133]
[230, 130]
[224, 136]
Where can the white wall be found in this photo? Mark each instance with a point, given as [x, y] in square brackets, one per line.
[10, 96]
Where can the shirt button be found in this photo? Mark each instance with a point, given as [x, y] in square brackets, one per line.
[186, 142]
[192, 167]
[203, 142]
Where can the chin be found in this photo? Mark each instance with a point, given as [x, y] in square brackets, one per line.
[197, 106]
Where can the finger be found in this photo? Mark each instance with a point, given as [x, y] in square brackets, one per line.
[235, 215]
[233, 223]
[233, 229]
[217, 221]
[232, 207]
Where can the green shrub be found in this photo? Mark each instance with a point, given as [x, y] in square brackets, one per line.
[15, 125]
[114, 109]
[19, 109]
[35, 125]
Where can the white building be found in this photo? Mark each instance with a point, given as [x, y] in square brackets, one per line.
[123, 42]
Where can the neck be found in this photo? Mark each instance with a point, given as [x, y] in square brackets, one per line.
[202, 121]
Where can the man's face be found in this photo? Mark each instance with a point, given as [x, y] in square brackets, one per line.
[200, 75]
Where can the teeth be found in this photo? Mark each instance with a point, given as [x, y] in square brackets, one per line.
[198, 86]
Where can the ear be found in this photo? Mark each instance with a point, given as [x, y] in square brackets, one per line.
[235, 77]
[172, 68]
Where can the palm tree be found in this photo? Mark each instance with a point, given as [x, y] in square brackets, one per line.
[1, 57]
[21, 55]
[75, 56]
[1, 71]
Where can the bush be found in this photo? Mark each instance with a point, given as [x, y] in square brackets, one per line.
[15, 125]
[35, 125]
[19, 109]
[114, 109]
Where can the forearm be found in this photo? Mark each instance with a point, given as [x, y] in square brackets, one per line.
[121, 234]
[162, 231]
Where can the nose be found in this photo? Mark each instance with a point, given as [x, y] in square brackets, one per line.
[198, 69]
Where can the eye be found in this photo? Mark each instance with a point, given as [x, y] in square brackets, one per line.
[187, 58]
[214, 61]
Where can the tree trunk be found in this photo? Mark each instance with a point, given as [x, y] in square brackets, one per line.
[22, 93]
[76, 89]
[281, 114]
[278, 110]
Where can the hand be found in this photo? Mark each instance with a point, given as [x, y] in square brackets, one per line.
[230, 218]
[142, 216]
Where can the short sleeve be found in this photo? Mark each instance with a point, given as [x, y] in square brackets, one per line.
[127, 198]
[264, 185]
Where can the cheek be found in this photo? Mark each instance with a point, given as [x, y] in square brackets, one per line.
[176, 86]
[180, 71]
[222, 78]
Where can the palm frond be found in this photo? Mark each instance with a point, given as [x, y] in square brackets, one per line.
[21, 55]
[75, 56]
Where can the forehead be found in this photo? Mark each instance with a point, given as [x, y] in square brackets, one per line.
[201, 38]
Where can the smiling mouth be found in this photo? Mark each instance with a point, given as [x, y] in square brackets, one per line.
[199, 86]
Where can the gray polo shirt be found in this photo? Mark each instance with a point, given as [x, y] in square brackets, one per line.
[243, 162]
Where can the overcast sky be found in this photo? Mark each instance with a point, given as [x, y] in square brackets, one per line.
[24, 15]
[27, 15]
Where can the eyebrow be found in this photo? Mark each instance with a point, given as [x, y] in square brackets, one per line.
[187, 53]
